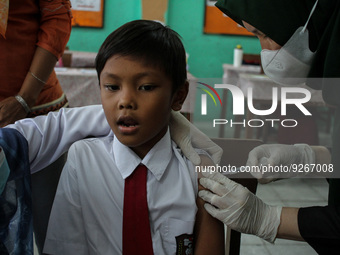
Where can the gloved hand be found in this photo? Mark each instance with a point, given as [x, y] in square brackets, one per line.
[238, 208]
[280, 155]
[187, 136]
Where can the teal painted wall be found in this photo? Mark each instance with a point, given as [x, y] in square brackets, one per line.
[207, 52]
[116, 13]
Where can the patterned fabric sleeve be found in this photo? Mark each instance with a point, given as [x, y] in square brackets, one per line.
[55, 25]
[16, 227]
[3, 16]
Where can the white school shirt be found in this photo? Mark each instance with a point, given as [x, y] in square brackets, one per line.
[87, 214]
[50, 136]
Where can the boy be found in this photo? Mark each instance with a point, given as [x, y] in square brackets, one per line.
[142, 72]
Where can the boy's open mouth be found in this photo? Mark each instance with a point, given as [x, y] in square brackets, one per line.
[127, 121]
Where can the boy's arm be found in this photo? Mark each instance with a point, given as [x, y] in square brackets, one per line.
[209, 232]
[50, 136]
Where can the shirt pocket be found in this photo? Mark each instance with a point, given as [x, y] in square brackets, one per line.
[175, 233]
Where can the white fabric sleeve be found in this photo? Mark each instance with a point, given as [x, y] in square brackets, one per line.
[50, 136]
[66, 233]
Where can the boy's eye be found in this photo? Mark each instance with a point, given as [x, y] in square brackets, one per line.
[111, 87]
[147, 87]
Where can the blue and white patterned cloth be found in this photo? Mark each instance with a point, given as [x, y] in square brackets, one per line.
[16, 231]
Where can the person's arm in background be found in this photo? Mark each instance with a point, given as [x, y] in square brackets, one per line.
[289, 228]
[209, 232]
[54, 32]
[42, 66]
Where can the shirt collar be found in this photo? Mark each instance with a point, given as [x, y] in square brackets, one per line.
[156, 160]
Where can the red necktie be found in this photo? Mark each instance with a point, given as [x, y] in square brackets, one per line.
[136, 225]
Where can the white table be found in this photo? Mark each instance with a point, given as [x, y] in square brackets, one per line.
[262, 94]
[79, 59]
[80, 86]
[262, 88]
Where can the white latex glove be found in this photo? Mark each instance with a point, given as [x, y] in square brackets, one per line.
[187, 136]
[238, 208]
[280, 155]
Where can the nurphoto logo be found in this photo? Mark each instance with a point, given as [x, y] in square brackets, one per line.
[280, 96]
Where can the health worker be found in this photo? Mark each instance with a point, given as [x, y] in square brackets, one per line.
[300, 44]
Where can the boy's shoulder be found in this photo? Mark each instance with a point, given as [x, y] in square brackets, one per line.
[92, 143]
[201, 152]
[206, 159]
[83, 153]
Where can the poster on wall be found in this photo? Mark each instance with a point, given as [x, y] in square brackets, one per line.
[216, 22]
[87, 13]
[154, 9]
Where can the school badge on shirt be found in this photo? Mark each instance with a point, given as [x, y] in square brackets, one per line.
[185, 244]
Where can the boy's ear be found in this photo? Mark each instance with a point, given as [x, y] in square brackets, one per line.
[179, 96]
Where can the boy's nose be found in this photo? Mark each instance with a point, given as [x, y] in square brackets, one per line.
[127, 101]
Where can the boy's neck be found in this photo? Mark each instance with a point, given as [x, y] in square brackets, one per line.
[144, 149]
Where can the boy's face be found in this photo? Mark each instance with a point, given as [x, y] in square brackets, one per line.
[137, 101]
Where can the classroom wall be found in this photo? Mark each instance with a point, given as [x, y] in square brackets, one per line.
[116, 13]
[207, 52]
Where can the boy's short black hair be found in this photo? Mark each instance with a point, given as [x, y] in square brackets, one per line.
[151, 42]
